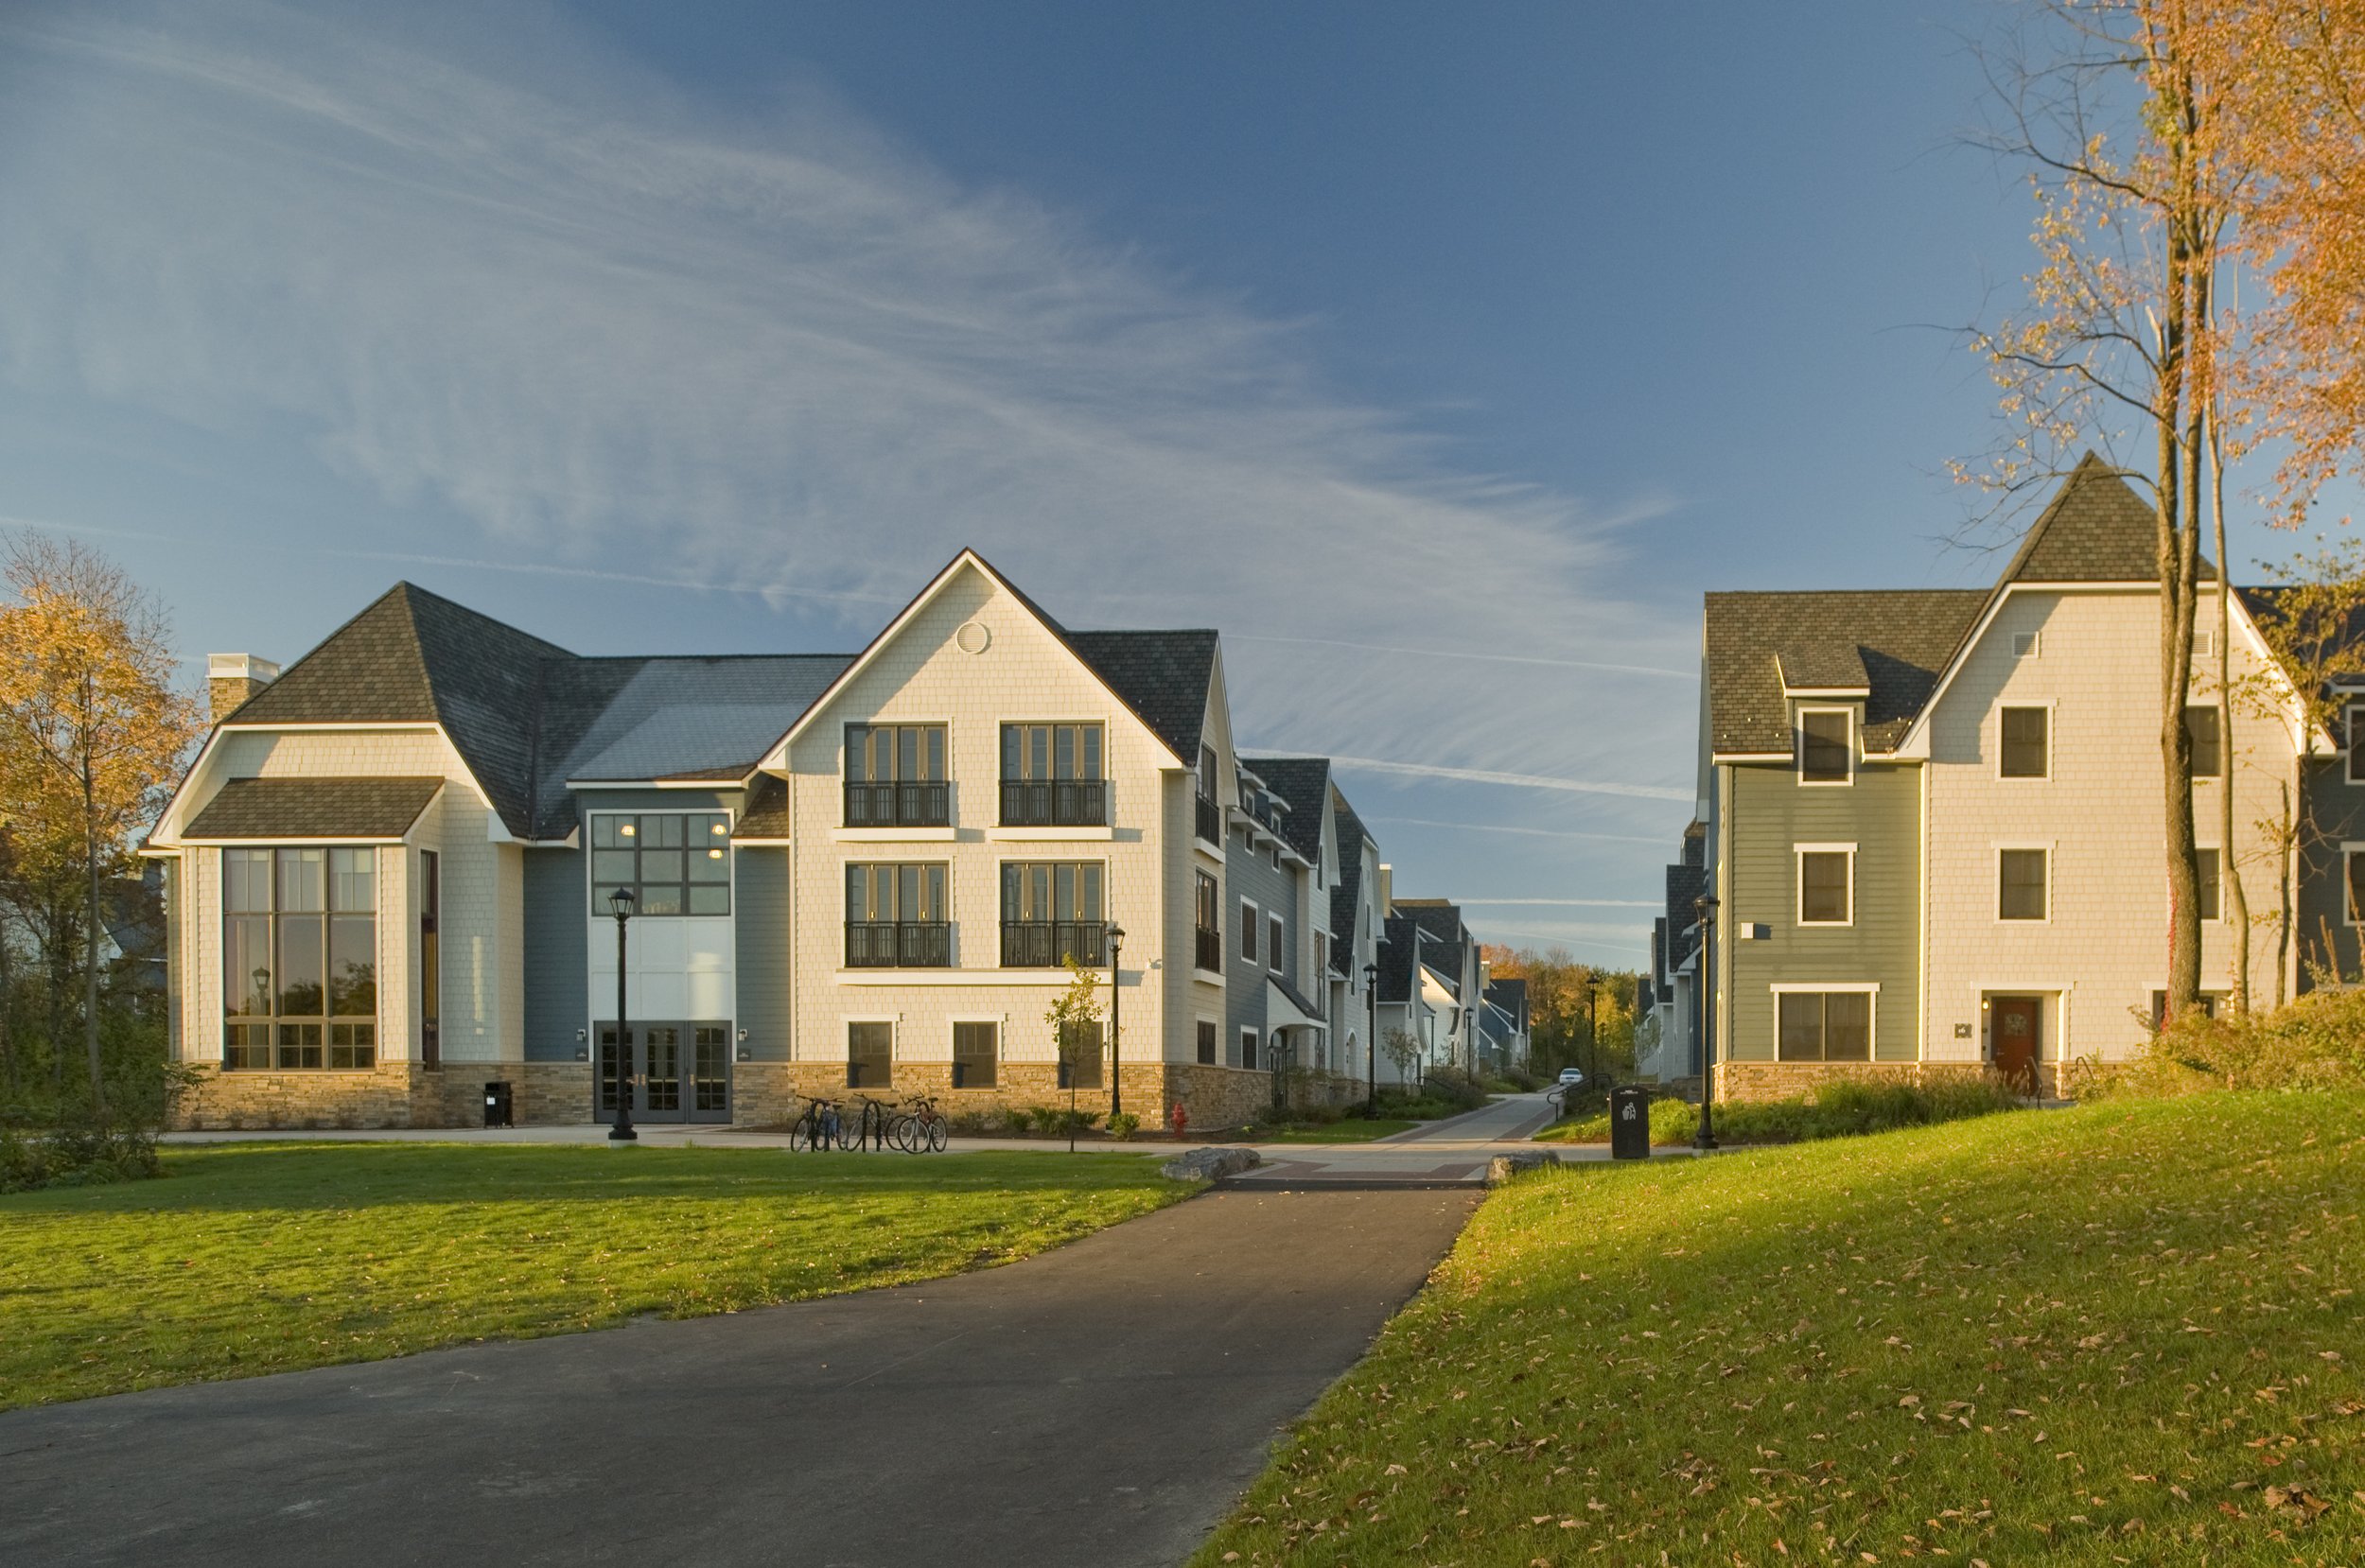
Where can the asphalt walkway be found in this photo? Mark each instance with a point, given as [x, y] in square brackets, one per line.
[1102, 1404]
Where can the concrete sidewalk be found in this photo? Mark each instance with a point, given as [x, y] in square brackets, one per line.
[1100, 1406]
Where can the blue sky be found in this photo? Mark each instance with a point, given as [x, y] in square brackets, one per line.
[1442, 357]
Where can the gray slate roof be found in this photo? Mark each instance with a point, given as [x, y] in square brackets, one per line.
[2096, 528]
[764, 814]
[1443, 922]
[1398, 937]
[1303, 785]
[313, 808]
[1162, 676]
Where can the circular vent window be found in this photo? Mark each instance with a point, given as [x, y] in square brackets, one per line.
[973, 637]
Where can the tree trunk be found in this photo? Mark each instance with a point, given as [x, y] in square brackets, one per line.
[7, 1018]
[2179, 549]
[2229, 863]
[89, 937]
[2289, 846]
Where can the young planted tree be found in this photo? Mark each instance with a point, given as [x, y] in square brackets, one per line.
[2115, 114]
[91, 730]
[1075, 1020]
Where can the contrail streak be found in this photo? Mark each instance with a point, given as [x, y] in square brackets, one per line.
[1519, 780]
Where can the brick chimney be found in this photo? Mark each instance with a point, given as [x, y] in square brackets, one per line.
[232, 678]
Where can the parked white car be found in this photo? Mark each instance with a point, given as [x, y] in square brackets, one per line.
[1571, 1076]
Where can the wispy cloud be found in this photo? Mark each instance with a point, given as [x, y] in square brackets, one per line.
[1517, 780]
[1657, 839]
[625, 338]
[1560, 903]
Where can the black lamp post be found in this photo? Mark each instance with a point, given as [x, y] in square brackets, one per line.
[619, 904]
[1592, 1031]
[1371, 1040]
[1706, 1139]
[1116, 1020]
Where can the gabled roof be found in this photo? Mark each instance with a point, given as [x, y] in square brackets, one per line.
[2096, 528]
[1899, 640]
[1441, 919]
[1163, 677]
[1685, 883]
[764, 814]
[416, 657]
[312, 807]
[1399, 936]
[526, 715]
[1303, 785]
[1347, 893]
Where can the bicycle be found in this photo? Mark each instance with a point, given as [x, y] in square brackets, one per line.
[921, 1128]
[819, 1128]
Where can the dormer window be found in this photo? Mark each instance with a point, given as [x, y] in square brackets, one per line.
[1826, 745]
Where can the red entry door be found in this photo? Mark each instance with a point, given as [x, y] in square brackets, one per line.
[2012, 1044]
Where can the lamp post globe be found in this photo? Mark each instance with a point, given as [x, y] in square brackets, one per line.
[1371, 1040]
[619, 904]
[1117, 1019]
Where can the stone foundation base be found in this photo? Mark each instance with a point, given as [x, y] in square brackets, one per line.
[395, 1095]
[774, 1093]
[1799, 1080]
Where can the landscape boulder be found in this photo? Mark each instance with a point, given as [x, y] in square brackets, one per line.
[1504, 1166]
[1209, 1164]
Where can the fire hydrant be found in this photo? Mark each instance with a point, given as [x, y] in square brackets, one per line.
[1180, 1120]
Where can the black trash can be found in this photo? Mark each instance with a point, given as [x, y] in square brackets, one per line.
[499, 1107]
[1630, 1123]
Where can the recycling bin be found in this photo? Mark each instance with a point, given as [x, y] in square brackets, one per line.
[498, 1104]
[1629, 1122]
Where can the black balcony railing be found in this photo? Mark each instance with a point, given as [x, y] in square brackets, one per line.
[899, 943]
[1055, 802]
[1210, 951]
[1047, 944]
[899, 804]
[1210, 823]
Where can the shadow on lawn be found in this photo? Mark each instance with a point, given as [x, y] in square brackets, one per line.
[291, 1177]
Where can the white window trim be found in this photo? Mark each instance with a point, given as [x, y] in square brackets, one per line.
[1799, 758]
[1799, 884]
[1256, 929]
[2225, 744]
[1872, 1023]
[2219, 851]
[1997, 882]
[1248, 1049]
[2052, 733]
[2348, 752]
[2348, 915]
[1275, 926]
[2035, 646]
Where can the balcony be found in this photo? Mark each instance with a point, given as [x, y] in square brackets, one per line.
[1210, 955]
[899, 804]
[1055, 803]
[1210, 824]
[1047, 944]
[899, 943]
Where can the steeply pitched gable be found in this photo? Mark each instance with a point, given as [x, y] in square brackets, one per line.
[2096, 528]
[1303, 785]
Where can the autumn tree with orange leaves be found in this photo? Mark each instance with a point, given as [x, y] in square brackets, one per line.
[92, 729]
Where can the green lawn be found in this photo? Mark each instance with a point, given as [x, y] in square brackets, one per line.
[1353, 1130]
[262, 1258]
[2126, 1334]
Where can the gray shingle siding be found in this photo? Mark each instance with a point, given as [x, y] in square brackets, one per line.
[1248, 873]
[762, 932]
[558, 973]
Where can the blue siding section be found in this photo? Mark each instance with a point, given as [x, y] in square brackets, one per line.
[761, 932]
[1248, 873]
[558, 971]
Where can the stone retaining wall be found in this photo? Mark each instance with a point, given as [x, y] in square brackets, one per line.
[1798, 1080]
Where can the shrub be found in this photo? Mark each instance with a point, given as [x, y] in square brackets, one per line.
[1843, 1108]
[1124, 1124]
[83, 1152]
[2315, 1043]
[1021, 1119]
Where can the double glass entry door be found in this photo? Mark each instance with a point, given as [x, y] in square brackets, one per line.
[678, 1072]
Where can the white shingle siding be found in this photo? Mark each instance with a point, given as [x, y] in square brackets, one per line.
[2105, 946]
[1025, 674]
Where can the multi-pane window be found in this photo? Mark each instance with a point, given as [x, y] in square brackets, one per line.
[1051, 911]
[675, 862]
[2160, 1006]
[2356, 716]
[1248, 1048]
[896, 916]
[870, 1054]
[2207, 876]
[2021, 884]
[1823, 890]
[1207, 1042]
[430, 958]
[2028, 742]
[2203, 729]
[1277, 939]
[1207, 820]
[1208, 930]
[1321, 955]
[1825, 745]
[1825, 1026]
[1080, 1051]
[895, 777]
[2355, 879]
[710, 1066]
[976, 1051]
[1248, 934]
[1052, 776]
[299, 958]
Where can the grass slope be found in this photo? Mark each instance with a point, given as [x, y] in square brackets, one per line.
[263, 1258]
[2126, 1334]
